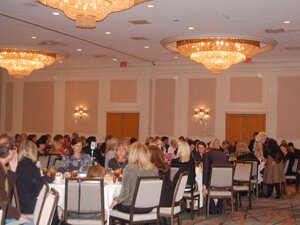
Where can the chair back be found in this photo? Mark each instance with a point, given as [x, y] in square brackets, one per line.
[40, 202]
[3, 208]
[58, 163]
[295, 166]
[48, 208]
[147, 192]
[173, 172]
[15, 201]
[242, 171]
[84, 196]
[221, 176]
[180, 186]
[44, 160]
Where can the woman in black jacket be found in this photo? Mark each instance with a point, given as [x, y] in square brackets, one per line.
[29, 180]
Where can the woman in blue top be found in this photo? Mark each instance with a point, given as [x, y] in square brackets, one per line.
[76, 160]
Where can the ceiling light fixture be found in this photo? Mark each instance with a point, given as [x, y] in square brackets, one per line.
[191, 28]
[216, 52]
[21, 62]
[86, 13]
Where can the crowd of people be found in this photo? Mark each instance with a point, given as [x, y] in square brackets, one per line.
[19, 164]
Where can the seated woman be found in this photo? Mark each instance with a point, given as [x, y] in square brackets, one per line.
[120, 159]
[95, 172]
[185, 163]
[76, 160]
[8, 156]
[139, 165]
[288, 156]
[29, 180]
[243, 152]
[199, 152]
[158, 159]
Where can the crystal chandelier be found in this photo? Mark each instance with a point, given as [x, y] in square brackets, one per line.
[218, 53]
[21, 62]
[87, 12]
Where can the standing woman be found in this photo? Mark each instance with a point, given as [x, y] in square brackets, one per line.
[139, 165]
[274, 172]
[76, 160]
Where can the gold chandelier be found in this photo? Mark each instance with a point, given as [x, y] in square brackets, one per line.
[218, 53]
[21, 62]
[87, 12]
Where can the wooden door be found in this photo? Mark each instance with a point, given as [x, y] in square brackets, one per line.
[123, 124]
[240, 127]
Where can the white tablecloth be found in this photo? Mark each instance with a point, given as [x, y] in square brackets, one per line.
[199, 177]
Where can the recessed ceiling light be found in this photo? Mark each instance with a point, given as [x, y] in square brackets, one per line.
[78, 49]
[34, 37]
[60, 61]
[286, 21]
[107, 32]
[55, 13]
[114, 59]
[150, 6]
[146, 46]
[175, 57]
[191, 28]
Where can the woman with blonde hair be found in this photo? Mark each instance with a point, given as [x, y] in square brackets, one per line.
[29, 180]
[139, 165]
[120, 159]
[243, 152]
[110, 153]
[185, 163]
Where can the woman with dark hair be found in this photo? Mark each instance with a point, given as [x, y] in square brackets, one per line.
[76, 160]
[158, 159]
[290, 157]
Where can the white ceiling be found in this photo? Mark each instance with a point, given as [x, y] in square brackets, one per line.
[22, 19]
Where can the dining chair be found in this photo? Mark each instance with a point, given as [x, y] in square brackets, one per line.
[220, 184]
[293, 177]
[3, 209]
[48, 208]
[173, 171]
[84, 201]
[254, 177]
[175, 210]
[44, 160]
[39, 204]
[242, 180]
[192, 195]
[147, 194]
[15, 198]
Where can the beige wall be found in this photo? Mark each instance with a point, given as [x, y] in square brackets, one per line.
[123, 91]
[164, 108]
[246, 89]
[81, 94]
[9, 106]
[288, 107]
[38, 106]
[202, 94]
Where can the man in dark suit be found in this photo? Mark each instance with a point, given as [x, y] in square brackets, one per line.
[217, 157]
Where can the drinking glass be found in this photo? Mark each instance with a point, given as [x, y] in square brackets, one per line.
[74, 174]
[117, 173]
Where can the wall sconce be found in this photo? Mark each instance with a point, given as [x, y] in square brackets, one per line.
[201, 115]
[80, 113]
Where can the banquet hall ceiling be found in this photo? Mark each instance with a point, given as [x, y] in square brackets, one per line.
[20, 20]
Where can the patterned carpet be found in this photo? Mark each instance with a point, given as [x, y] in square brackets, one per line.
[269, 211]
